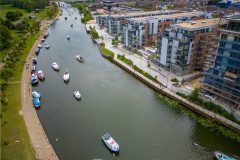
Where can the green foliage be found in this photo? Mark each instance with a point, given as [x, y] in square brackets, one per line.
[125, 60]
[52, 10]
[94, 33]
[13, 16]
[105, 51]
[182, 95]
[174, 80]
[29, 5]
[194, 96]
[21, 26]
[207, 123]
[5, 37]
[115, 41]
[83, 8]
[153, 56]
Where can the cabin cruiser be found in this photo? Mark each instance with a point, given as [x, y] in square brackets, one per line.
[46, 34]
[55, 66]
[66, 76]
[68, 37]
[36, 102]
[34, 61]
[37, 51]
[40, 75]
[221, 156]
[34, 78]
[42, 40]
[110, 143]
[79, 58]
[39, 46]
[33, 70]
[47, 46]
[77, 95]
[35, 94]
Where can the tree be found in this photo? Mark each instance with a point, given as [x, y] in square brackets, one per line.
[21, 26]
[3, 86]
[13, 16]
[6, 73]
[102, 38]
[5, 37]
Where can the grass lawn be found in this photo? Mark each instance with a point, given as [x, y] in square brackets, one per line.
[42, 14]
[106, 52]
[13, 129]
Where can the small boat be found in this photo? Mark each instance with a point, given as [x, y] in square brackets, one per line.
[65, 18]
[36, 102]
[35, 94]
[34, 61]
[37, 51]
[42, 40]
[40, 75]
[68, 37]
[34, 79]
[110, 143]
[55, 66]
[221, 156]
[71, 25]
[46, 34]
[66, 76]
[77, 95]
[75, 17]
[79, 58]
[47, 46]
[34, 68]
[39, 46]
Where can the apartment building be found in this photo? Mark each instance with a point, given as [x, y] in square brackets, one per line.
[115, 22]
[182, 47]
[223, 79]
[143, 32]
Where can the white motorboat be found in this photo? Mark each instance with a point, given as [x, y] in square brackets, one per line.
[77, 95]
[55, 66]
[43, 40]
[66, 76]
[40, 75]
[111, 143]
[47, 46]
[79, 58]
[68, 37]
[39, 46]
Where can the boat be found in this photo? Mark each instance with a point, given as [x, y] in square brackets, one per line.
[68, 37]
[34, 61]
[221, 156]
[66, 76]
[34, 79]
[71, 25]
[35, 94]
[79, 58]
[46, 34]
[39, 46]
[65, 18]
[36, 102]
[37, 51]
[47, 46]
[111, 143]
[77, 95]
[75, 17]
[40, 75]
[55, 66]
[42, 40]
[34, 68]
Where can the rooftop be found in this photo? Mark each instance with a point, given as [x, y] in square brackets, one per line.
[198, 24]
[170, 16]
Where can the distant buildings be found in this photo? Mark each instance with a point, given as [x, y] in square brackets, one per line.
[182, 48]
[143, 31]
[223, 79]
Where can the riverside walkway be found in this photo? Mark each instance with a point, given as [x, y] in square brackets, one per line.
[204, 112]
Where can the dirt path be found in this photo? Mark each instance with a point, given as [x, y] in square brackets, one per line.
[43, 148]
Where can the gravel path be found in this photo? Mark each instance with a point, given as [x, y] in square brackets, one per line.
[43, 148]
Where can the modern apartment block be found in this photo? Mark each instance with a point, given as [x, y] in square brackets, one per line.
[182, 47]
[143, 32]
[115, 22]
[223, 79]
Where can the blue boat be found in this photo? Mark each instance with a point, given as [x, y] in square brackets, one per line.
[221, 156]
[36, 102]
[35, 94]
[34, 79]
[111, 143]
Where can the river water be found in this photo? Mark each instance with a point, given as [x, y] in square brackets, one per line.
[112, 101]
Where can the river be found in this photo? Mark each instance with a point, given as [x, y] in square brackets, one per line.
[112, 101]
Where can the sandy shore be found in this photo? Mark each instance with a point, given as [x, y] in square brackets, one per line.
[40, 143]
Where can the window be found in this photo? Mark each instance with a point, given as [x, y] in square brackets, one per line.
[237, 39]
[236, 47]
[235, 55]
[222, 44]
[224, 37]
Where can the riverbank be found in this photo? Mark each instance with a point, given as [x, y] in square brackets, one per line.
[36, 132]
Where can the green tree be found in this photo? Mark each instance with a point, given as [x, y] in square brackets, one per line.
[5, 37]
[13, 16]
[3, 86]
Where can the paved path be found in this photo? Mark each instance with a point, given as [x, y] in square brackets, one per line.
[43, 148]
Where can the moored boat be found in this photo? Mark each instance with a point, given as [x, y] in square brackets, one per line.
[35, 94]
[68, 37]
[42, 40]
[77, 95]
[55, 66]
[37, 51]
[46, 34]
[36, 102]
[34, 61]
[79, 58]
[221, 156]
[40, 75]
[111, 143]
[34, 79]
[47, 46]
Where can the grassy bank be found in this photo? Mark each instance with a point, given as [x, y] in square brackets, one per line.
[106, 52]
[207, 123]
[15, 142]
[83, 8]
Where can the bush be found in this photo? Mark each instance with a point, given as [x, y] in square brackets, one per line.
[13, 16]
[5, 37]
[106, 52]
[21, 26]
[125, 60]
[174, 80]
[94, 34]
